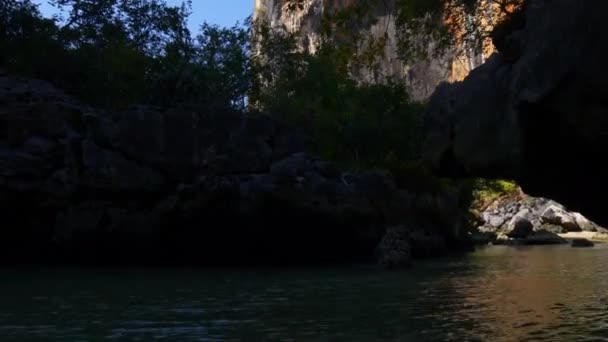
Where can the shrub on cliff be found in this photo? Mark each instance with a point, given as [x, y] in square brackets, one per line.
[486, 191]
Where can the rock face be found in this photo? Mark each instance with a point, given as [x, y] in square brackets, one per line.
[152, 185]
[420, 76]
[535, 111]
[536, 220]
[520, 225]
[555, 215]
[394, 248]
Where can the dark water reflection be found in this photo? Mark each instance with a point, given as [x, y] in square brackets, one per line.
[496, 294]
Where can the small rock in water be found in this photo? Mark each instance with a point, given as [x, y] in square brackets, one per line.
[581, 243]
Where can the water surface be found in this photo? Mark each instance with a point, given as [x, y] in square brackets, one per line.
[555, 293]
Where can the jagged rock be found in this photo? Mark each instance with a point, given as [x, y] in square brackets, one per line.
[556, 216]
[157, 185]
[505, 119]
[520, 225]
[542, 214]
[495, 220]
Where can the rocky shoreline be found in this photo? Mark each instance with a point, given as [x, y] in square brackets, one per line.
[189, 186]
[521, 219]
[213, 186]
[193, 186]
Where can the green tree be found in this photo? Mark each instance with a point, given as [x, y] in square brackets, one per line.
[215, 71]
[115, 53]
[148, 25]
[28, 42]
[361, 125]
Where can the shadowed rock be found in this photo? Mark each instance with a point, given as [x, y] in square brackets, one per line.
[187, 186]
[536, 114]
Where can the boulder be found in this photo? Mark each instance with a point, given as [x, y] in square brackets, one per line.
[557, 216]
[520, 229]
[520, 225]
[495, 220]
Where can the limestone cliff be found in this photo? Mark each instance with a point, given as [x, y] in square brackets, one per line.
[421, 76]
[536, 111]
[199, 185]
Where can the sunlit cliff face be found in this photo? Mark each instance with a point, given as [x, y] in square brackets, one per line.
[458, 22]
[421, 76]
[303, 20]
[485, 17]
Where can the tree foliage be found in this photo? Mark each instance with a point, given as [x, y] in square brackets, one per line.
[365, 125]
[116, 53]
[362, 125]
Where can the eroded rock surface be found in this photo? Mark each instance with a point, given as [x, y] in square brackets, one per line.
[421, 76]
[154, 185]
[535, 111]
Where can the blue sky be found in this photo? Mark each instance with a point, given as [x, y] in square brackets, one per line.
[220, 12]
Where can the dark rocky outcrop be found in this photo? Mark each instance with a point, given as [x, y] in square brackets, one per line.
[536, 111]
[189, 186]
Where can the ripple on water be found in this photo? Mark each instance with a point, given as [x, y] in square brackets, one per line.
[496, 294]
